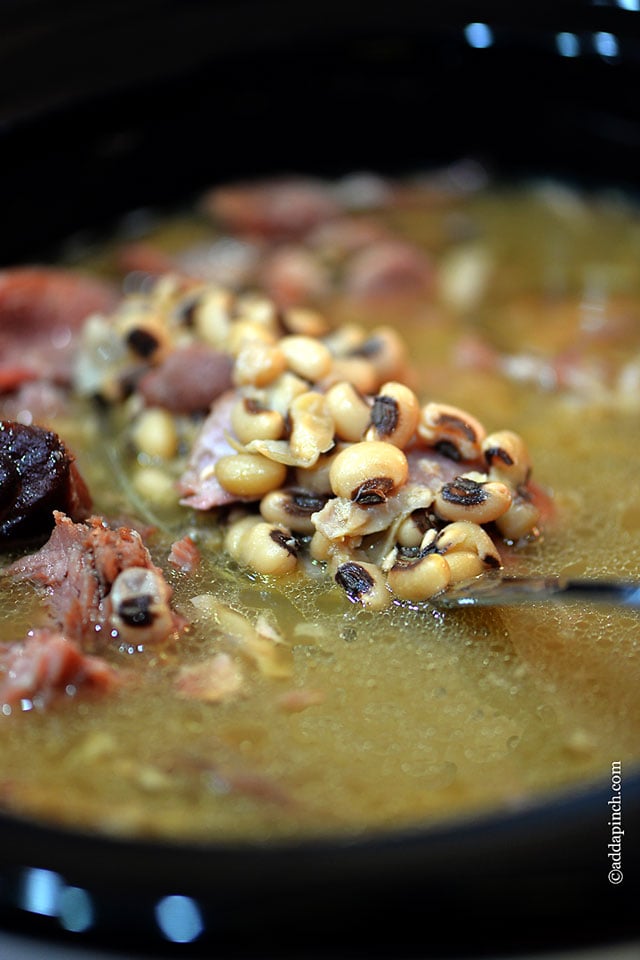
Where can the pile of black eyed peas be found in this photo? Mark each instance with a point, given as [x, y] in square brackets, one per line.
[326, 454]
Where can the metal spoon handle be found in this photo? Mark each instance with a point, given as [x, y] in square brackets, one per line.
[490, 592]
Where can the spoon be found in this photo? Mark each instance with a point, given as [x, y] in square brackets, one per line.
[489, 591]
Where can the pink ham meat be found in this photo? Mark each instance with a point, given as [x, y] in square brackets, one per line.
[198, 484]
[45, 665]
[189, 380]
[388, 268]
[78, 566]
[41, 310]
[277, 209]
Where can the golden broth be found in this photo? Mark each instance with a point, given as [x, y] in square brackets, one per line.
[418, 715]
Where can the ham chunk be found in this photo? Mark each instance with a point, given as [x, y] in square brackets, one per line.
[277, 209]
[41, 310]
[101, 584]
[189, 380]
[45, 665]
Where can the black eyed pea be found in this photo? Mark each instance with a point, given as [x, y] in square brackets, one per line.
[320, 547]
[139, 602]
[270, 549]
[154, 433]
[146, 336]
[212, 316]
[386, 351]
[369, 472]
[346, 339]
[464, 565]
[364, 583]
[411, 531]
[466, 499]
[316, 479]
[306, 357]
[251, 421]
[280, 394]
[249, 476]
[520, 520]
[304, 321]
[350, 410]
[452, 431]
[311, 427]
[292, 508]
[507, 457]
[236, 531]
[258, 364]
[243, 333]
[394, 415]
[257, 309]
[465, 537]
[419, 578]
[358, 371]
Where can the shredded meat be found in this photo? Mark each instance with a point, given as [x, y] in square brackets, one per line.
[46, 664]
[184, 555]
[78, 566]
[37, 476]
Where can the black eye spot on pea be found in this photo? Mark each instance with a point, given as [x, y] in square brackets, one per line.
[385, 415]
[282, 540]
[136, 611]
[448, 449]
[491, 561]
[463, 492]
[354, 580]
[303, 504]
[142, 342]
[498, 453]
[455, 423]
[370, 348]
[373, 491]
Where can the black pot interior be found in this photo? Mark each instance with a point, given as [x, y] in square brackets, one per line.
[108, 107]
[115, 106]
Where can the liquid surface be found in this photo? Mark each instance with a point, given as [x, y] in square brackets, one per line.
[412, 715]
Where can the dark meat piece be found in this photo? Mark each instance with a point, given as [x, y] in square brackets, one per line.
[41, 309]
[79, 565]
[189, 380]
[46, 664]
[37, 476]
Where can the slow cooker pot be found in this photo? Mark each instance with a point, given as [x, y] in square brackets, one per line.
[110, 107]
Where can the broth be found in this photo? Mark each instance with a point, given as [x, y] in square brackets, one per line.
[408, 715]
